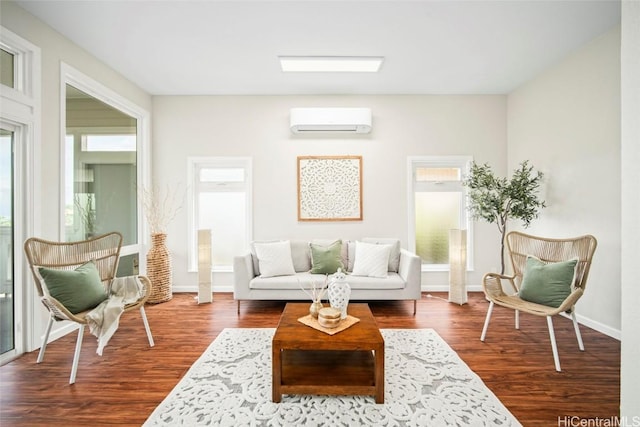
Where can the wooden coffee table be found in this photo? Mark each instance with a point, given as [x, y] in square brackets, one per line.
[308, 361]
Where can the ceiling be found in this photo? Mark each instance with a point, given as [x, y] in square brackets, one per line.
[187, 47]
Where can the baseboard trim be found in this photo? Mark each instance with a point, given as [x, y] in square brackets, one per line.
[445, 288]
[191, 289]
[62, 331]
[597, 326]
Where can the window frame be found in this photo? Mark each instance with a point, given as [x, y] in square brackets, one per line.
[194, 165]
[26, 63]
[71, 76]
[20, 108]
[14, 62]
[461, 162]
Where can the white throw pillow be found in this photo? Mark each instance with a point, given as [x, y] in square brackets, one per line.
[394, 255]
[372, 260]
[274, 258]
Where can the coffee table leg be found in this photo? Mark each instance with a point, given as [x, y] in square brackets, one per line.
[379, 374]
[276, 364]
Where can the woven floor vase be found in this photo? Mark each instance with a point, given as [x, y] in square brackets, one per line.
[159, 269]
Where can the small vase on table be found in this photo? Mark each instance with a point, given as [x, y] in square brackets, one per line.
[314, 309]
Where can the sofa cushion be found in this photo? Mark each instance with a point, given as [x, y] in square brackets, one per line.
[300, 255]
[392, 281]
[254, 256]
[326, 259]
[394, 256]
[327, 242]
[274, 258]
[372, 260]
[287, 282]
[351, 254]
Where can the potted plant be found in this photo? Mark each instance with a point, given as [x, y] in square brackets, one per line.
[496, 199]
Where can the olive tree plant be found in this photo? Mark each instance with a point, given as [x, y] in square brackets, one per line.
[497, 199]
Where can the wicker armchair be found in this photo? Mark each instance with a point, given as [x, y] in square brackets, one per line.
[104, 250]
[548, 250]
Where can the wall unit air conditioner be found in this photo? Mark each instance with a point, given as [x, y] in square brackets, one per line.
[344, 120]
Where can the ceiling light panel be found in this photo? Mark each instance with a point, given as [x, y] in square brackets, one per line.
[331, 64]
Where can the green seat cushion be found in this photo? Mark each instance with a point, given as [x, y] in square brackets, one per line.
[547, 283]
[326, 259]
[78, 290]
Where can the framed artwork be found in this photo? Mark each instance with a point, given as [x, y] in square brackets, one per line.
[330, 188]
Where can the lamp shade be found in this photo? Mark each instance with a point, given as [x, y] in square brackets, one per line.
[204, 267]
[458, 266]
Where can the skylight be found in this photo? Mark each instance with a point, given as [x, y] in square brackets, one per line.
[331, 64]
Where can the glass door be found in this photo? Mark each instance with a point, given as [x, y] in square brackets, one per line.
[7, 301]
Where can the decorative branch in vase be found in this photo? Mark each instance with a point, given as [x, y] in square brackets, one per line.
[160, 208]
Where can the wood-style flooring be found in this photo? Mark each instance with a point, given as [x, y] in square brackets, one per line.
[125, 385]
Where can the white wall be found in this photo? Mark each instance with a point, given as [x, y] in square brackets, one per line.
[56, 49]
[566, 121]
[258, 126]
[630, 88]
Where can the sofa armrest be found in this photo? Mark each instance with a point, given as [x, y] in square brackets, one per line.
[410, 269]
[242, 275]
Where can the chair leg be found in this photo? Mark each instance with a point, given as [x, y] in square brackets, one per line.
[517, 319]
[238, 312]
[43, 347]
[577, 328]
[486, 322]
[554, 347]
[76, 356]
[415, 305]
[143, 314]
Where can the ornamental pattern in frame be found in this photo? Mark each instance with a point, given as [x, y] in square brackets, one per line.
[329, 188]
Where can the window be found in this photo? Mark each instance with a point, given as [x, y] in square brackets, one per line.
[220, 200]
[7, 68]
[105, 160]
[101, 168]
[437, 204]
[109, 142]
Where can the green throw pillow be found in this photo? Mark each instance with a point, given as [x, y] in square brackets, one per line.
[326, 259]
[547, 283]
[78, 290]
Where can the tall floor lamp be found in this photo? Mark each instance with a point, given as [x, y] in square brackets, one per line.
[205, 293]
[458, 266]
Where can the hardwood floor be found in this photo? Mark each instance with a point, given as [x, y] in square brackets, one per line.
[124, 385]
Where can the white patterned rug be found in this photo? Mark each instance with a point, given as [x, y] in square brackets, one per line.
[426, 384]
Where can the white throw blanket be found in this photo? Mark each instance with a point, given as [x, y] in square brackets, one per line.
[104, 319]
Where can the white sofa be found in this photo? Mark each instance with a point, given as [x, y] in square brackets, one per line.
[402, 281]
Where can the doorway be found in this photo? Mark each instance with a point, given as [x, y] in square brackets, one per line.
[7, 285]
